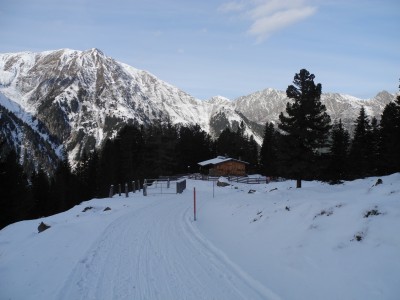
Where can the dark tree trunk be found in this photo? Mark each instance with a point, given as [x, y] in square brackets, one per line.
[298, 183]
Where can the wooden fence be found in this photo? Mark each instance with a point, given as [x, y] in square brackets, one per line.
[176, 184]
[163, 186]
[132, 186]
[248, 180]
[239, 179]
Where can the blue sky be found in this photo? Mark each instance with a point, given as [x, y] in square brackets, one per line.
[228, 48]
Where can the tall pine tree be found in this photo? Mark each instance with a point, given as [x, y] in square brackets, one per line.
[130, 144]
[361, 151]
[108, 167]
[305, 127]
[251, 155]
[14, 197]
[338, 154]
[375, 137]
[269, 151]
[40, 193]
[193, 145]
[64, 188]
[226, 144]
[390, 138]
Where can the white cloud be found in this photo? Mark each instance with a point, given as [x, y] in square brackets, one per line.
[265, 7]
[269, 16]
[263, 27]
[232, 6]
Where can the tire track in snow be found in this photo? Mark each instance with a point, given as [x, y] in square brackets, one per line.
[156, 253]
[219, 258]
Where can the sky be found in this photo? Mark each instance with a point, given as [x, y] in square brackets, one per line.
[222, 47]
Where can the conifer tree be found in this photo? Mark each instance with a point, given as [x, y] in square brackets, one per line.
[226, 143]
[269, 151]
[108, 167]
[14, 195]
[40, 194]
[169, 140]
[238, 145]
[375, 137]
[88, 175]
[64, 188]
[361, 151]
[193, 145]
[390, 138]
[130, 144]
[251, 155]
[338, 154]
[160, 144]
[305, 128]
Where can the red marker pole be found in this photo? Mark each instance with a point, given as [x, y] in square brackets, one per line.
[194, 203]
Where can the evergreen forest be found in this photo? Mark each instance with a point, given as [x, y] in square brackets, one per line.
[304, 145]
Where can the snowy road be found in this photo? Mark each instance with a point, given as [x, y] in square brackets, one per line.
[295, 243]
[162, 257]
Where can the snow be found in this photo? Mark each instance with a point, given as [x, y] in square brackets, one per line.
[217, 160]
[214, 161]
[27, 118]
[275, 243]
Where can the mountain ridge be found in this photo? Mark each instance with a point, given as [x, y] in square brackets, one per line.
[82, 98]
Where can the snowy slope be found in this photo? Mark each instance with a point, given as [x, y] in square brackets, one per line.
[318, 242]
[22, 132]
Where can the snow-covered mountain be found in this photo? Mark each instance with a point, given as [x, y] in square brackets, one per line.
[77, 99]
[265, 106]
[82, 98]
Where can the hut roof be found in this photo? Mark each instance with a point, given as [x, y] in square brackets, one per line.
[219, 160]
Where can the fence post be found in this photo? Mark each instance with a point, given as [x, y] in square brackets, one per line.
[111, 191]
[126, 190]
[138, 185]
[145, 188]
[168, 184]
[119, 189]
[194, 203]
[133, 186]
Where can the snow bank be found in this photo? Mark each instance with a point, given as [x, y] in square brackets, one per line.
[278, 242]
[312, 243]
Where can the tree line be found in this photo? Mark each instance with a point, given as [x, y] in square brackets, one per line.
[304, 145]
[137, 152]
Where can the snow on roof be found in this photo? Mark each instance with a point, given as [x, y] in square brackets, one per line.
[218, 160]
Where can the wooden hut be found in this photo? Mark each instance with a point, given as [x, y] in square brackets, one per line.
[223, 166]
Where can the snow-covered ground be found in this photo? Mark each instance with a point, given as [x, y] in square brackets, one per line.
[276, 242]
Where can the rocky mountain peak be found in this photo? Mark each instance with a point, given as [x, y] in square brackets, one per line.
[219, 100]
[81, 98]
